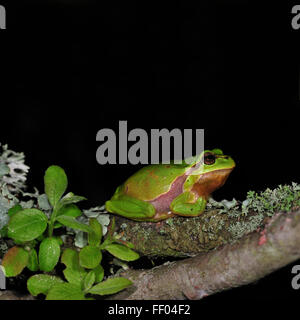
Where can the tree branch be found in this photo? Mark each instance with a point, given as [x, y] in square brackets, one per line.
[252, 257]
[186, 237]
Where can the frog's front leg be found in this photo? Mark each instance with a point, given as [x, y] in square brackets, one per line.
[129, 207]
[186, 204]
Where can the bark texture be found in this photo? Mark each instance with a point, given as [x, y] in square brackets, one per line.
[252, 257]
[186, 237]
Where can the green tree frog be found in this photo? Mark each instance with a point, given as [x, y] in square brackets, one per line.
[160, 191]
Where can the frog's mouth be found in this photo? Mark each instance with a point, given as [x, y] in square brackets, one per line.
[218, 176]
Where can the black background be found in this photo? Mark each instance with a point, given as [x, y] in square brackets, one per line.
[71, 68]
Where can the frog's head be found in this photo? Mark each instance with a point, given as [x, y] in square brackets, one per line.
[212, 170]
[215, 160]
[210, 161]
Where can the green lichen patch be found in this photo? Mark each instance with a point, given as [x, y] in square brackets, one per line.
[267, 202]
[249, 215]
[283, 198]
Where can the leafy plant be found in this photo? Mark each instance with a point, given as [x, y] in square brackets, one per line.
[83, 272]
[37, 247]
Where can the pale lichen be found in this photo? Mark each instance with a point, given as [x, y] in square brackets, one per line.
[267, 202]
[248, 216]
[13, 170]
[13, 173]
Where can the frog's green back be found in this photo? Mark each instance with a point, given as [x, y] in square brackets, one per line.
[152, 181]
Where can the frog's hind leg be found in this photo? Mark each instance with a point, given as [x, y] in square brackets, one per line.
[187, 205]
[131, 208]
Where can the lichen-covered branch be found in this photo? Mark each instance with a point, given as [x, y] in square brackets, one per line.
[222, 223]
[252, 257]
[182, 237]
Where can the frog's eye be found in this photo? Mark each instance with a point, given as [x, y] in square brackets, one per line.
[209, 158]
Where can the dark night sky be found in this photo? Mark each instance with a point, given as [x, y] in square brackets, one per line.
[231, 68]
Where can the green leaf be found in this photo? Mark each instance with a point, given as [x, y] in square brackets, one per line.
[26, 225]
[65, 291]
[74, 273]
[122, 252]
[94, 238]
[70, 210]
[89, 280]
[3, 232]
[42, 283]
[71, 198]
[110, 286]
[56, 183]
[70, 258]
[99, 273]
[16, 208]
[14, 261]
[73, 223]
[126, 243]
[49, 254]
[90, 257]
[33, 264]
[75, 276]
